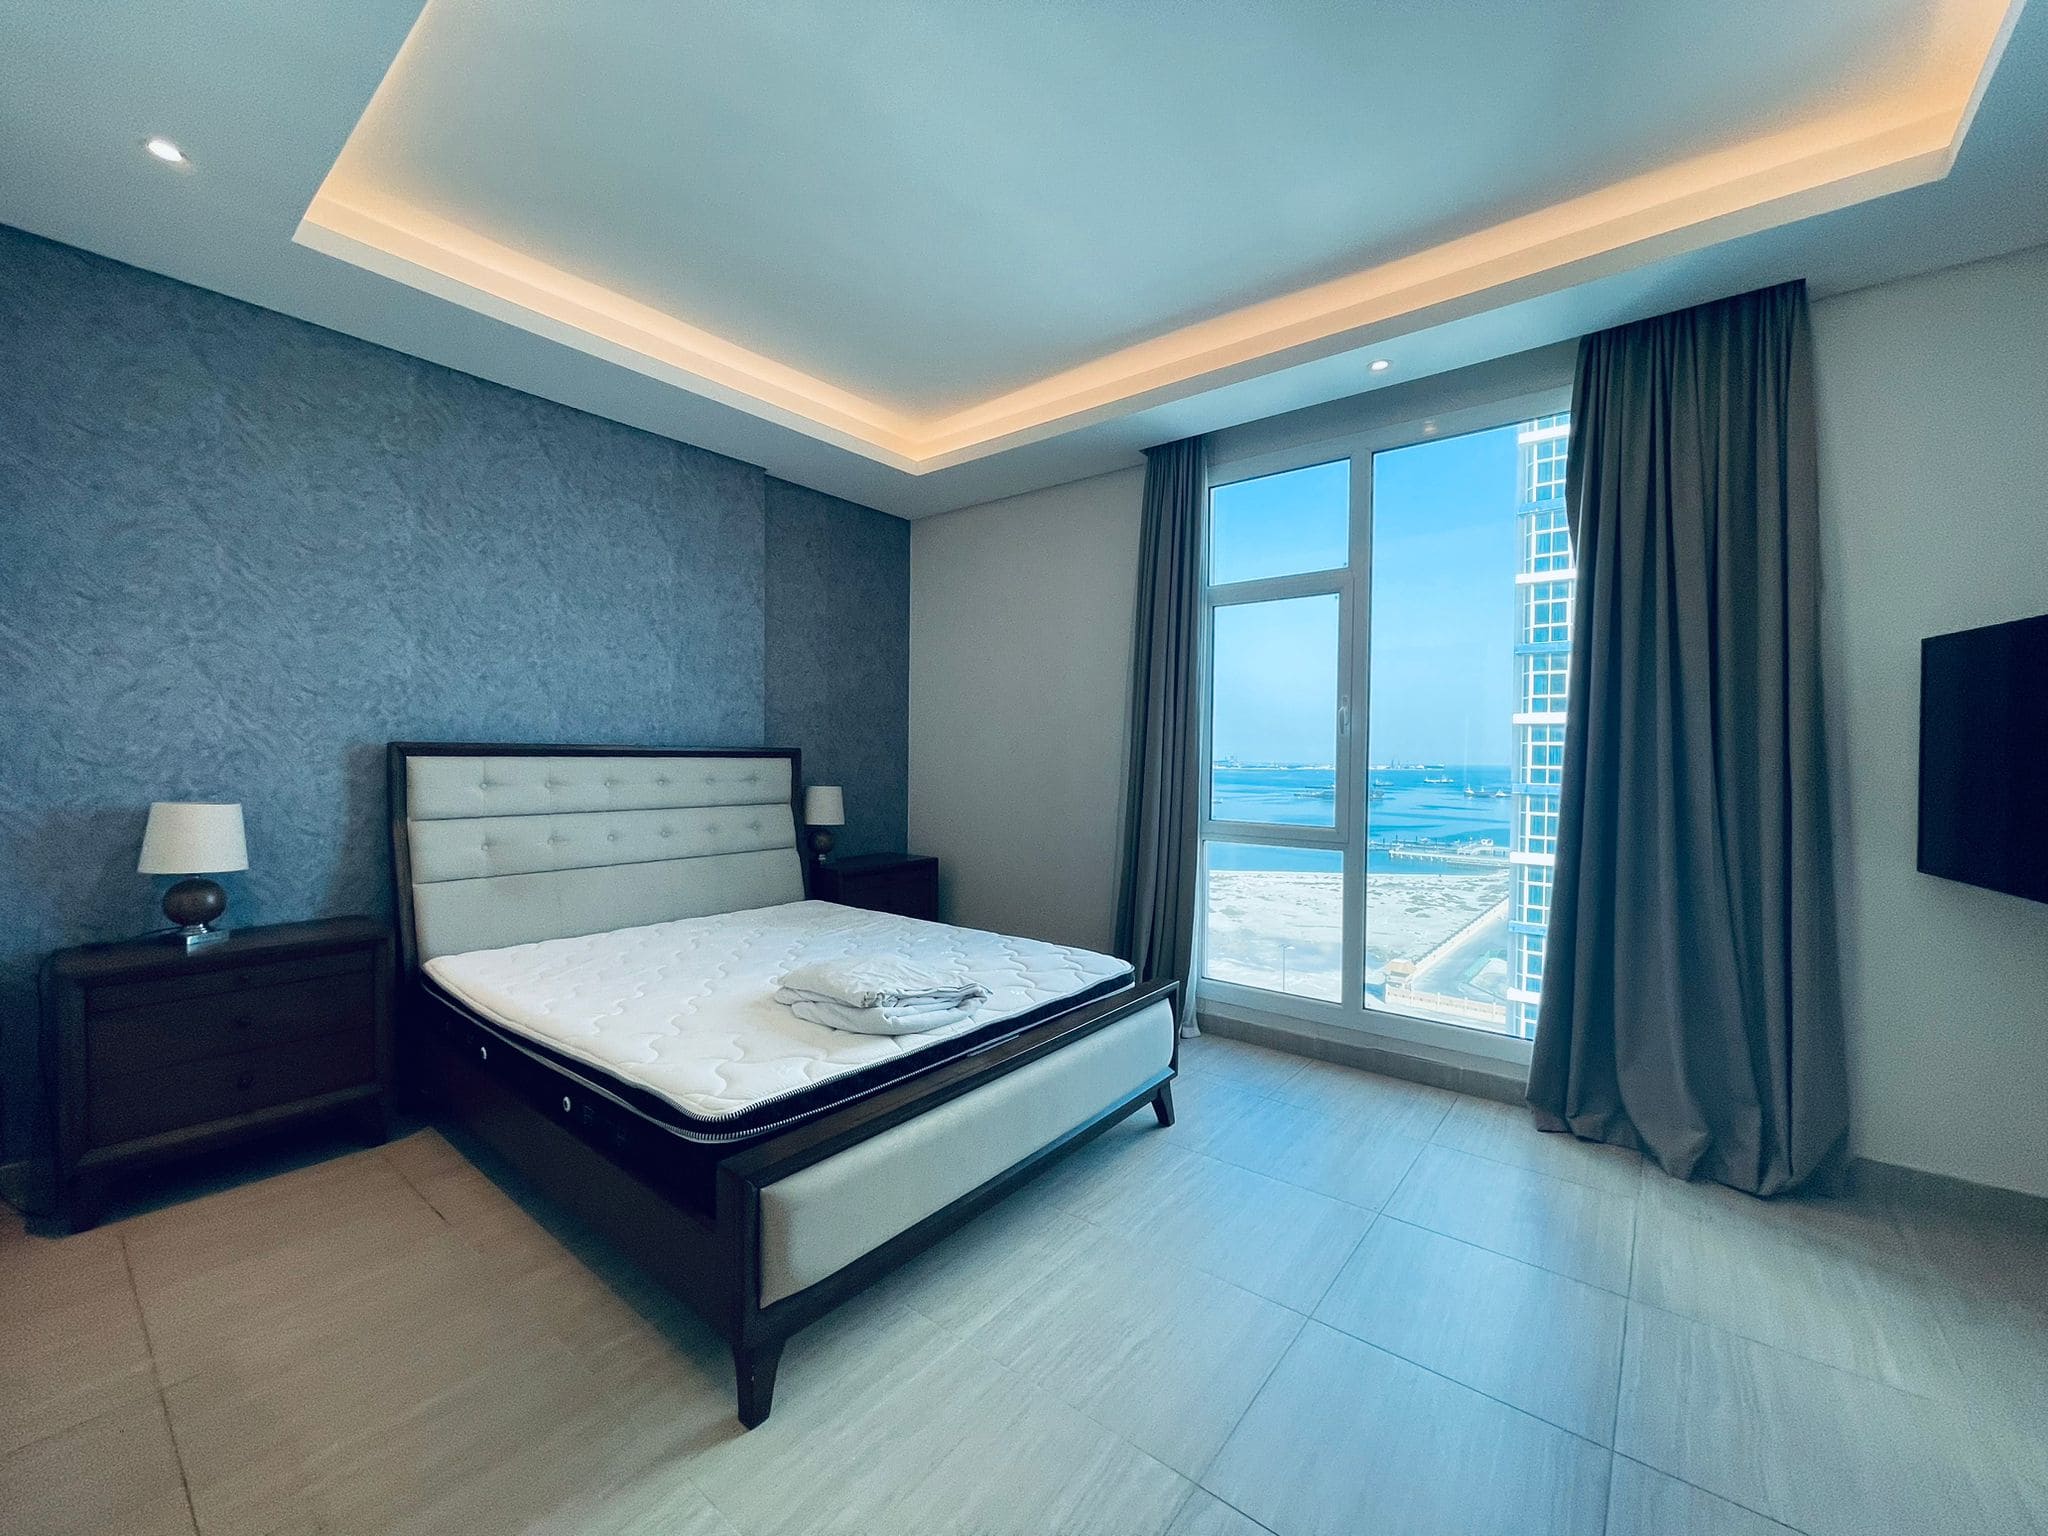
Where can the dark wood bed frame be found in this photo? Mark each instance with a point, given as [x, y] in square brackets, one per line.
[583, 1147]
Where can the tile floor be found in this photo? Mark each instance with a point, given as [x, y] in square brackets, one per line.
[1324, 1302]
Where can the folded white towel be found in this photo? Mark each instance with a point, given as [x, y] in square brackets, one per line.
[882, 981]
[791, 997]
[873, 1021]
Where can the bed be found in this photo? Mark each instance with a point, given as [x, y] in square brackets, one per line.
[589, 938]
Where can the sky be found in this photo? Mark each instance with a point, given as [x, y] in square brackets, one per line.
[1443, 607]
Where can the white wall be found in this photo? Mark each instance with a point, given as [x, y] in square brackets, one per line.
[1934, 505]
[1020, 654]
[1934, 464]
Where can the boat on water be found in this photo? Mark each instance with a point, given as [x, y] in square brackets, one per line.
[1436, 778]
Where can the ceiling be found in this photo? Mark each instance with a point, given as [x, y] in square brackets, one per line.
[931, 205]
[919, 255]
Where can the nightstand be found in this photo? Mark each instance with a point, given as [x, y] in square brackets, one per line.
[903, 883]
[151, 1052]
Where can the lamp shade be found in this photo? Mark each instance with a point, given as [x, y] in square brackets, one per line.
[186, 838]
[824, 806]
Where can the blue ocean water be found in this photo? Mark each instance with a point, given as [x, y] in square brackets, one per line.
[1407, 811]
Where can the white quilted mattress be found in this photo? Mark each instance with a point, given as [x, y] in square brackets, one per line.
[686, 1010]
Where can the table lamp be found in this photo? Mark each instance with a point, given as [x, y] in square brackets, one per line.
[185, 838]
[824, 808]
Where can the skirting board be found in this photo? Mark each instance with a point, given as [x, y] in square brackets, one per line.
[1867, 1177]
[1915, 1188]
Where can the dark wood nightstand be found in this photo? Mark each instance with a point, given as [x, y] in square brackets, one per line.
[151, 1052]
[904, 883]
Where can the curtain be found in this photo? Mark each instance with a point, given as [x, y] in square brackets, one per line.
[1690, 1001]
[1155, 910]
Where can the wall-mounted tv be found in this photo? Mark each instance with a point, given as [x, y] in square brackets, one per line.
[1984, 757]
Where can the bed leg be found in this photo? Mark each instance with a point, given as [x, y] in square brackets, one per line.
[1162, 1103]
[754, 1367]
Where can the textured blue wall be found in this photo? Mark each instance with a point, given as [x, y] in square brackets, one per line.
[239, 553]
[838, 657]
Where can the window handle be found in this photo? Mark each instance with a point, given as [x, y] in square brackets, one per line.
[1344, 717]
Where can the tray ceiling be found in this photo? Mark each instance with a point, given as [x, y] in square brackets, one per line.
[926, 233]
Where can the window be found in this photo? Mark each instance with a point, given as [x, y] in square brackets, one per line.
[1542, 756]
[1548, 441]
[1281, 525]
[1274, 919]
[1391, 865]
[1442, 688]
[1273, 711]
[1546, 539]
[1543, 683]
[1547, 613]
[1273, 856]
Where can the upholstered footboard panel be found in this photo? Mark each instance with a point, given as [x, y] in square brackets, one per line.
[822, 1218]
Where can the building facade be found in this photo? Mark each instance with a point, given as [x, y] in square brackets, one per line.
[1544, 578]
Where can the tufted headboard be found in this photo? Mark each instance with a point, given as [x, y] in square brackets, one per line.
[496, 845]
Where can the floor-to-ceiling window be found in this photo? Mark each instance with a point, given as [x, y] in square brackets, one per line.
[1279, 554]
[1385, 660]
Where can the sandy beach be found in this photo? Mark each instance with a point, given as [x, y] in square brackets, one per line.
[1266, 925]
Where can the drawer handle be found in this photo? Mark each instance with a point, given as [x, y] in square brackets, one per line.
[246, 1081]
[483, 1053]
[566, 1106]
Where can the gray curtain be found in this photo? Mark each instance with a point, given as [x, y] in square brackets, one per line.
[1155, 909]
[1690, 1003]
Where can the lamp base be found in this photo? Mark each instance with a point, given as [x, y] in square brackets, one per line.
[193, 906]
[821, 843]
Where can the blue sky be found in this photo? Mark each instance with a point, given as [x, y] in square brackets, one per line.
[1443, 576]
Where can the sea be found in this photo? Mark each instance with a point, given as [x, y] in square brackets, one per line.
[1407, 812]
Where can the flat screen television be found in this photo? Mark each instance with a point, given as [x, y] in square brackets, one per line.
[1984, 757]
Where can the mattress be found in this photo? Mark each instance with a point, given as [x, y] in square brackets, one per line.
[683, 1013]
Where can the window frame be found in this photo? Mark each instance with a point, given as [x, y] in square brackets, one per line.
[1355, 1016]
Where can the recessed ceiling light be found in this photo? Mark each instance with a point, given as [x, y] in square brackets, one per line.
[1380, 365]
[165, 151]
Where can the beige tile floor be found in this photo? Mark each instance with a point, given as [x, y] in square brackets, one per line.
[1324, 1302]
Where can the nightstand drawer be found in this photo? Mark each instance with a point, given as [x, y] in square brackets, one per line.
[143, 1039]
[224, 981]
[217, 1087]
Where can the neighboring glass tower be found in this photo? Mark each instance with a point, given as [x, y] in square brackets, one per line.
[1544, 575]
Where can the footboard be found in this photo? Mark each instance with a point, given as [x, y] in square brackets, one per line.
[819, 1215]
[818, 1220]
